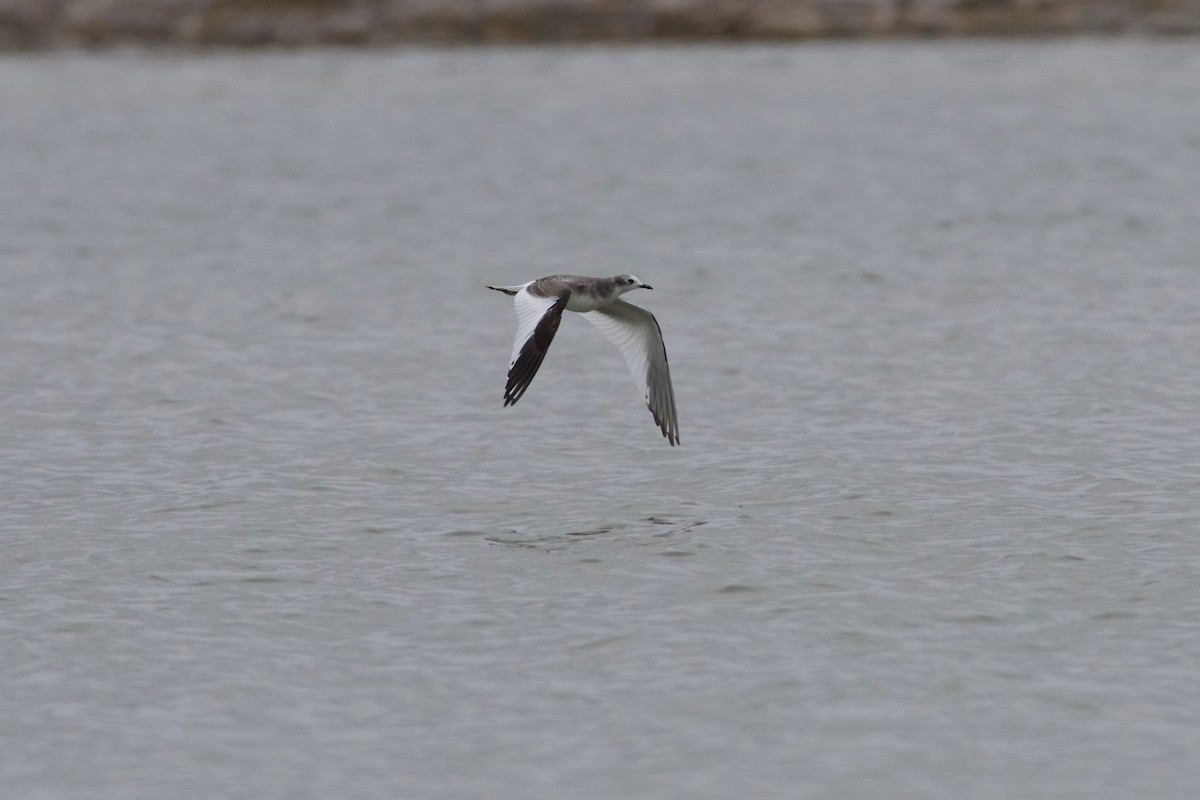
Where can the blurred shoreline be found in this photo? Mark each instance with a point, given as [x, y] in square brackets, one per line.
[44, 24]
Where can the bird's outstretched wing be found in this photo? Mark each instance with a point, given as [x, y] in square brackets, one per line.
[635, 332]
[538, 314]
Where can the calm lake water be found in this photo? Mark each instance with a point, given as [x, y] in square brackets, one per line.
[933, 313]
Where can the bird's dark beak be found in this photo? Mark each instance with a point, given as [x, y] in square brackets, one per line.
[647, 286]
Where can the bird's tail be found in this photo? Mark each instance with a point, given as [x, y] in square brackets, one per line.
[508, 290]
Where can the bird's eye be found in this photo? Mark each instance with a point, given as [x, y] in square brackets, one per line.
[629, 280]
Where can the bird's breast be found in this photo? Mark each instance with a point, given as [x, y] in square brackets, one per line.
[585, 301]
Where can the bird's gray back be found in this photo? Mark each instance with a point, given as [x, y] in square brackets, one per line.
[552, 285]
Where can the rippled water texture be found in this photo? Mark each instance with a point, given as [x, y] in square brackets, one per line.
[932, 312]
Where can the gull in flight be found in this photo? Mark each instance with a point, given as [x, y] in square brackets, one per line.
[633, 329]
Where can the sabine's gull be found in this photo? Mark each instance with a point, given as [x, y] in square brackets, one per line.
[633, 329]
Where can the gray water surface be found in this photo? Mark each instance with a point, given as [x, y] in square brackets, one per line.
[932, 311]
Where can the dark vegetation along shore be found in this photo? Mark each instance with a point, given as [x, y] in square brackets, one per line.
[34, 24]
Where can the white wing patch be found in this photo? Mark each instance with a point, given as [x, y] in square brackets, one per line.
[530, 310]
[635, 332]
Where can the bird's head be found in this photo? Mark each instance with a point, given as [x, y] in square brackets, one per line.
[627, 282]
